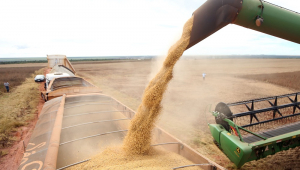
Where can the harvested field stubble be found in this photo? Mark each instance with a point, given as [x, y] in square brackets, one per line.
[284, 160]
[287, 79]
[17, 108]
[15, 76]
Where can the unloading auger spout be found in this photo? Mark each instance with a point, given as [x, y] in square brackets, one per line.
[258, 15]
[240, 135]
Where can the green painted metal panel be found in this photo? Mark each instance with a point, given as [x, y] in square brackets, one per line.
[241, 152]
[215, 130]
[278, 21]
[238, 152]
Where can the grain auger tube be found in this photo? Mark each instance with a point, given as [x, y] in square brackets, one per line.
[229, 135]
[258, 128]
[258, 15]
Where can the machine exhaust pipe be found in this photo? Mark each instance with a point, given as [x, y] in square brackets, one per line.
[212, 16]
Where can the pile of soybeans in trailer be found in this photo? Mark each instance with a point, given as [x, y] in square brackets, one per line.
[136, 151]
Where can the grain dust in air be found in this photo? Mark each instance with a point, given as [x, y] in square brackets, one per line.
[136, 151]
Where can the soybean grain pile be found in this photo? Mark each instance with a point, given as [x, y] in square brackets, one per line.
[136, 151]
[114, 158]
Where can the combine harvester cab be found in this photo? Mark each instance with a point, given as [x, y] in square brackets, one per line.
[261, 127]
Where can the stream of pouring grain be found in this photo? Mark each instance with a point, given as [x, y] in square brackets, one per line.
[138, 138]
[136, 152]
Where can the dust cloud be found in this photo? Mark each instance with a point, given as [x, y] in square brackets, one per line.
[156, 64]
[138, 139]
[186, 106]
[137, 143]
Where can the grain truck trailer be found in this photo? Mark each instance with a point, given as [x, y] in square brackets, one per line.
[68, 85]
[62, 60]
[73, 128]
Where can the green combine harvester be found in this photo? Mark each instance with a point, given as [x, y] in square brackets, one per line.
[280, 121]
[239, 142]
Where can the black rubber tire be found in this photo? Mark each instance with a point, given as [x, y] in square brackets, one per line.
[223, 108]
[43, 97]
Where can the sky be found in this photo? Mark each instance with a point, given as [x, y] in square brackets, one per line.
[35, 28]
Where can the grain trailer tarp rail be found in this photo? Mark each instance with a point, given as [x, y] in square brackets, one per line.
[36, 150]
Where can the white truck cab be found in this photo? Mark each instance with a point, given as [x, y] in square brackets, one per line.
[51, 76]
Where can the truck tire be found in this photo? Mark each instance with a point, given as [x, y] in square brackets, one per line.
[43, 97]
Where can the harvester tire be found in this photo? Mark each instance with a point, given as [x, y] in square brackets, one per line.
[43, 97]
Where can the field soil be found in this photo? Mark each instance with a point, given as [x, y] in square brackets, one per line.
[15, 75]
[189, 97]
[287, 79]
[27, 112]
[24, 65]
[15, 152]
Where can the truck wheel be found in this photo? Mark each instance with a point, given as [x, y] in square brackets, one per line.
[43, 97]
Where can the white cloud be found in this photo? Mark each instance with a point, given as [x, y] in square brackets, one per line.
[117, 27]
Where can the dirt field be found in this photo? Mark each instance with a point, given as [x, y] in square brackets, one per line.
[19, 111]
[287, 79]
[189, 97]
[15, 76]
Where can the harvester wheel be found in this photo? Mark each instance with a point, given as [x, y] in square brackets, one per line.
[225, 110]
